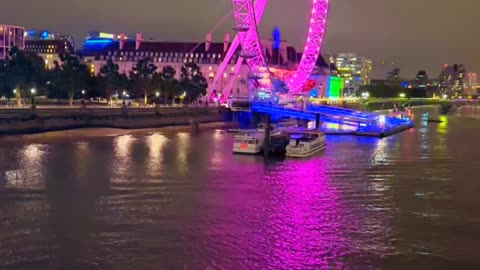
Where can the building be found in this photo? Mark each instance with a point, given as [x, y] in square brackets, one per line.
[33, 34]
[50, 50]
[354, 69]
[10, 36]
[452, 79]
[471, 84]
[126, 52]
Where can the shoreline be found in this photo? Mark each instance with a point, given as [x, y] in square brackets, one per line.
[134, 120]
[102, 132]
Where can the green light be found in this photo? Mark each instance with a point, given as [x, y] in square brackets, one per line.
[335, 87]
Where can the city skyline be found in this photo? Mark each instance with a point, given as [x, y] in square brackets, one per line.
[400, 34]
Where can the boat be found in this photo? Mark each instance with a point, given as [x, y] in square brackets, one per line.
[250, 143]
[305, 143]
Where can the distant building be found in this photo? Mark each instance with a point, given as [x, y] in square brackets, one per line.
[49, 49]
[10, 36]
[33, 34]
[471, 84]
[355, 70]
[452, 78]
[421, 80]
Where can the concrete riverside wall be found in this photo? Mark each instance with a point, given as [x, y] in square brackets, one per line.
[63, 121]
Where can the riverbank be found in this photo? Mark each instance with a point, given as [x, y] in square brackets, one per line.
[85, 133]
[44, 121]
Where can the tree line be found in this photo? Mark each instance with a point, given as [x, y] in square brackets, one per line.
[72, 79]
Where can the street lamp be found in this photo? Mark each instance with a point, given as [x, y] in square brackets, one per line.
[157, 94]
[402, 95]
[33, 91]
[83, 92]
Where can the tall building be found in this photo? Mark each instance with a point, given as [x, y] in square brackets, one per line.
[471, 84]
[354, 69]
[452, 79]
[10, 36]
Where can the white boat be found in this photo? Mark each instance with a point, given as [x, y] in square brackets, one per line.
[305, 143]
[250, 143]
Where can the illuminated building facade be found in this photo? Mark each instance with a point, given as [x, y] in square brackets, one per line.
[355, 70]
[10, 36]
[100, 47]
[452, 78]
[49, 49]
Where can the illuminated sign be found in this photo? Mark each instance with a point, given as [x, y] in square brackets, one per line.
[106, 35]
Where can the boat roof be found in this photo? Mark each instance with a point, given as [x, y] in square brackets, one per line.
[303, 131]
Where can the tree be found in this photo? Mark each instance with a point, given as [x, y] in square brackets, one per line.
[110, 79]
[141, 75]
[192, 81]
[169, 84]
[69, 77]
[21, 71]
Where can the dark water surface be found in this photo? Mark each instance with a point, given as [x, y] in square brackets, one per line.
[167, 200]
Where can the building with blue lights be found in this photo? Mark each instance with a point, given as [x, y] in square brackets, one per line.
[98, 48]
[34, 34]
[11, 36]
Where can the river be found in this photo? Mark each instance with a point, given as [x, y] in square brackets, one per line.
[162, 199]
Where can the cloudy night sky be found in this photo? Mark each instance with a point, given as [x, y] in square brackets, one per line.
[412, 34]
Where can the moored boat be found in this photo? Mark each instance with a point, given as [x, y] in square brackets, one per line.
[305, 143]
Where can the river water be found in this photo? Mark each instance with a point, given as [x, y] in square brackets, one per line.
[175, 200]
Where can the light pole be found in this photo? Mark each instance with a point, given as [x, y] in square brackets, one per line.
[32, 92]
[83, 99]
[124, 94]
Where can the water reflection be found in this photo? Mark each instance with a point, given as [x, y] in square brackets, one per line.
[163, 200]
[123, 158]
[183, 141]
[29, 171]
[156, 142]
[380, 154]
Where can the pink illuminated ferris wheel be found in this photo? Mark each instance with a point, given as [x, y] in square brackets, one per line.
[247, 15]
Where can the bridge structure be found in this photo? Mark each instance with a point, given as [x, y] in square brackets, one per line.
[356, 122]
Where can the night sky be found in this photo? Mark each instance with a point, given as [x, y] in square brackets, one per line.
[413, 34]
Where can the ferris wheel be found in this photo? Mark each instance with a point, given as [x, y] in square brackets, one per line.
[247, 15]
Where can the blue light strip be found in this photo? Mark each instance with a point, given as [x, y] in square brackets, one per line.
[98, 41]
[340, 116]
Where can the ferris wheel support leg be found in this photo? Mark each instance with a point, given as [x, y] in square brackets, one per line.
[223, 65]
[227, 90]
[260, 6]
